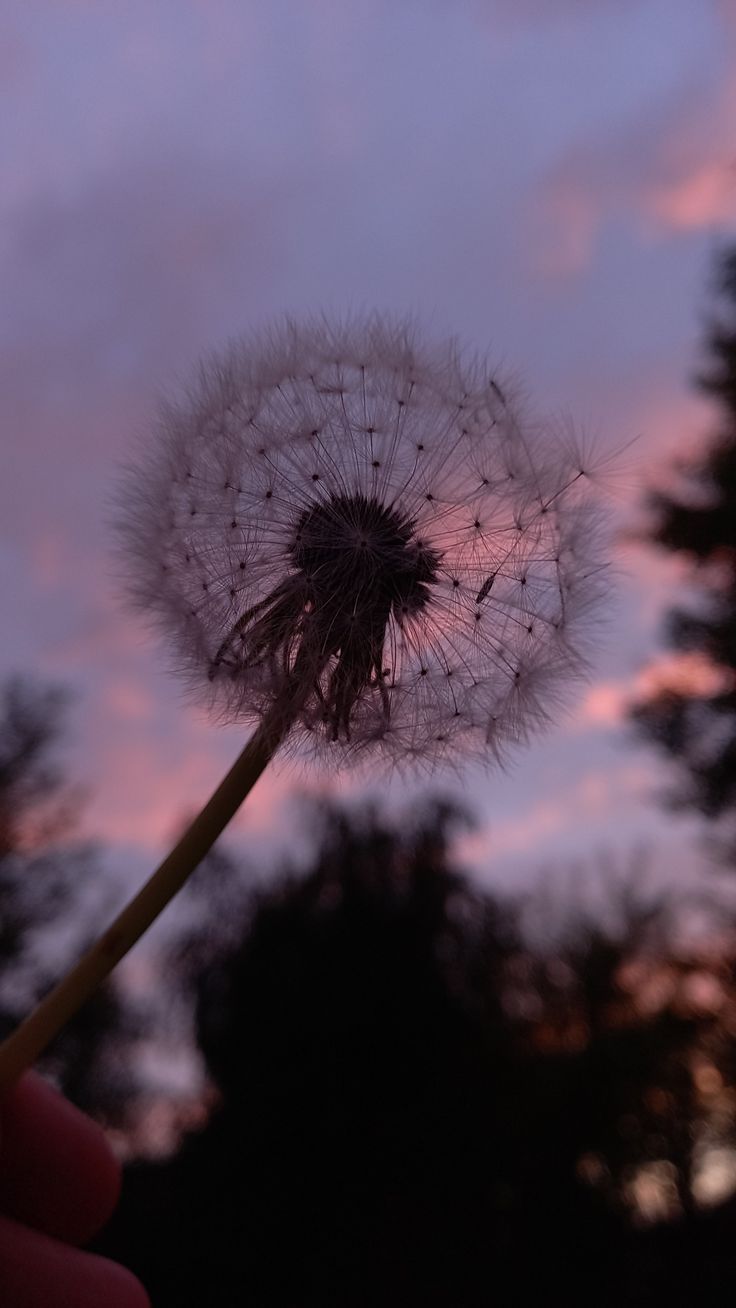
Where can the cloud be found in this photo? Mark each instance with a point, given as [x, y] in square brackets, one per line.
[147, 786]
[704, 195]
[672, 174]
[689, 674]
[565, 231]
[563, 814]
[132, 268]
[128, 699]
[609, 703]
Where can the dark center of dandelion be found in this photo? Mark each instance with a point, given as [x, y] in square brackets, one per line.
[357, 556]
[361, 563]
[357, 563]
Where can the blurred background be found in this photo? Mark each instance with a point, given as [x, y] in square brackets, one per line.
[475, 1041]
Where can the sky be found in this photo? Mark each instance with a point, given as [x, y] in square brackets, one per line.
[548, 180]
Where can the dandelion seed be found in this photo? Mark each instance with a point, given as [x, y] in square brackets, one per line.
[485, 588]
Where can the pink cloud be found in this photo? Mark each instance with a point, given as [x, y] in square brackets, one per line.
[702, 197]
[604, 705]
[513, 837]
[609, 703]
[691, 185]
[675, 421]
[49, 559]
[673, 174]
[139, 797]
[102, 636]
[593, 796]
[689, 674]
[128, 699]
[145, 789]
[563, 230]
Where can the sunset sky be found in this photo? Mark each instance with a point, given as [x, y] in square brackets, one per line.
[546, 179]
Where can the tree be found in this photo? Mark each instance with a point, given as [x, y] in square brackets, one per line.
[414, 1107]
[41, 864]
[46, 872]
[696, 723]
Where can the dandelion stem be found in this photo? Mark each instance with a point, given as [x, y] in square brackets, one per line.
[24, 1045]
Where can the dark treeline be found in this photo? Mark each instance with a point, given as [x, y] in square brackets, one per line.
[417, 1107]
[49, 878]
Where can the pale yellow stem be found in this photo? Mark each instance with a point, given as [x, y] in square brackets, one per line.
[24, 1045]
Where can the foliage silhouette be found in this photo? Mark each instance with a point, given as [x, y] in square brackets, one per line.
[414, 1106]
[697, 725]
[45, 872]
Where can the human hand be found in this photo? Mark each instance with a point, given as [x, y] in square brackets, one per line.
[59, 1183]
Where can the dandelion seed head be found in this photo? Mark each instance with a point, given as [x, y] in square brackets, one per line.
[350, 506]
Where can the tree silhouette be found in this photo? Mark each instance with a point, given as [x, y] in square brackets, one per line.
[45, 872]
[415, 1107]
[697, 726]
[40, 862]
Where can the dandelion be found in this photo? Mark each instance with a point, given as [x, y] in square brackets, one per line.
[364, 546]
[349, 512]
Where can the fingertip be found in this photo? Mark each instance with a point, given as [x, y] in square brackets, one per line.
[38, 1271]
[58, 1172]
[122, 1288]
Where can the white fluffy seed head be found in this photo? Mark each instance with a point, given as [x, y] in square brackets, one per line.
[350, 505]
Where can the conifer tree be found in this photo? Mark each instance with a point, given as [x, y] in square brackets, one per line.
[697, 726]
